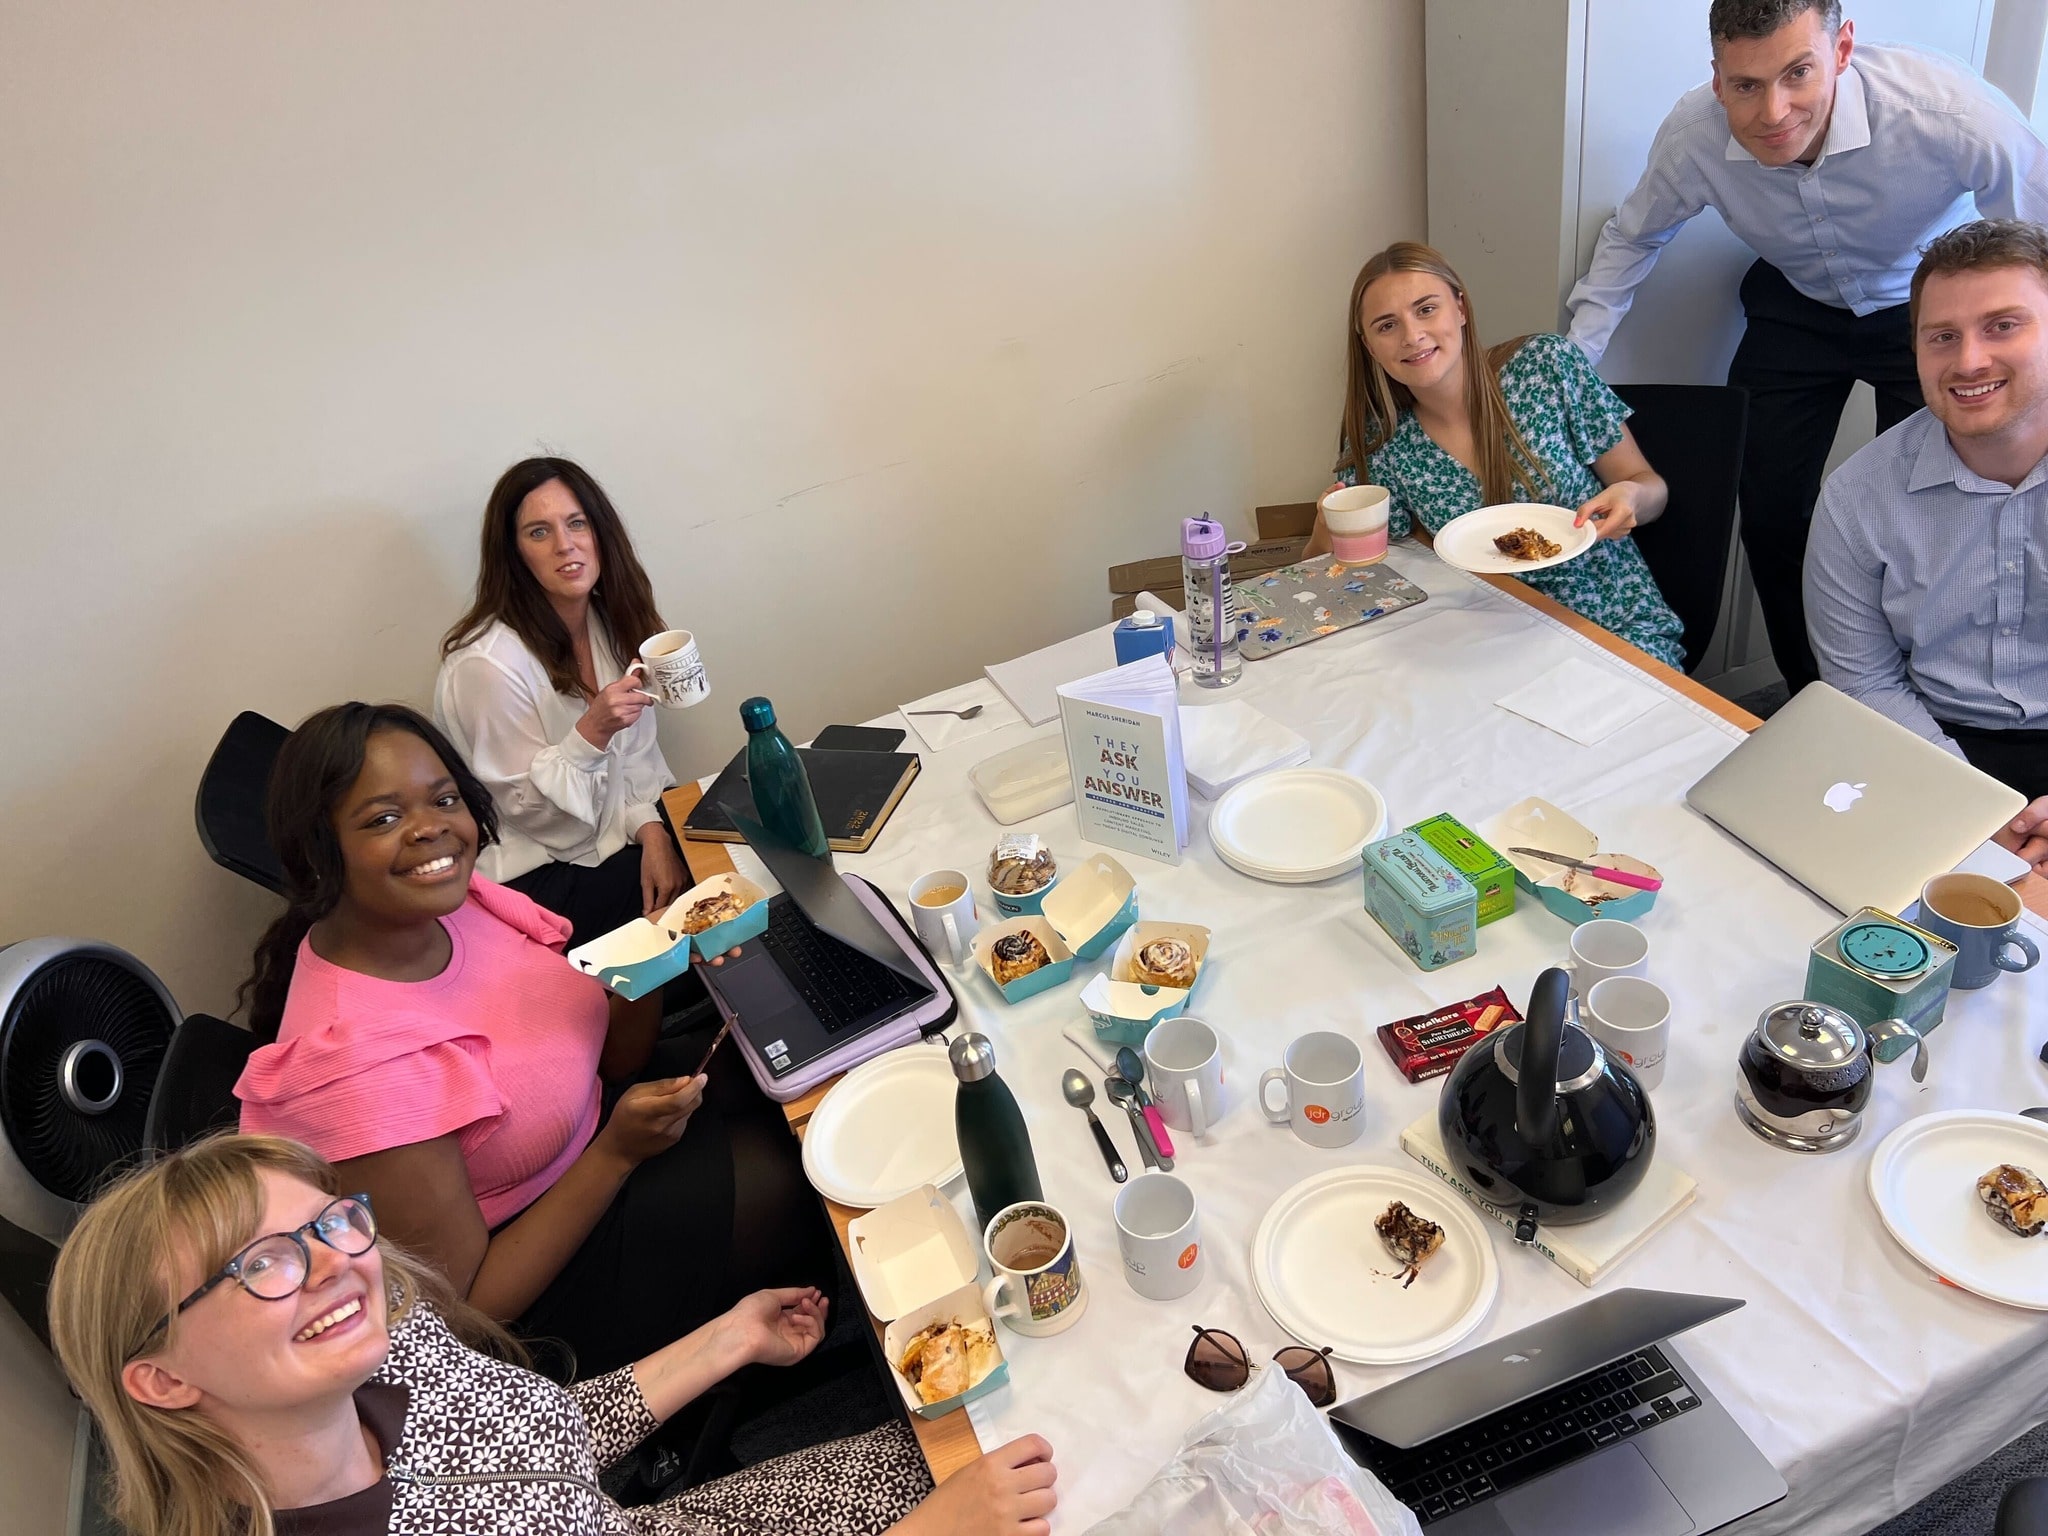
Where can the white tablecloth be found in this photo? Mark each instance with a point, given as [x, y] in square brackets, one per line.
[1863, 1380]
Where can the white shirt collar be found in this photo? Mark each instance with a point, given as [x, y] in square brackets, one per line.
[1848, 124]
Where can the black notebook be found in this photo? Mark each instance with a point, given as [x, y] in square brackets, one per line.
[855, 791]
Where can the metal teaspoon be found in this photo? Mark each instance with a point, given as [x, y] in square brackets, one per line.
[1081, 1094]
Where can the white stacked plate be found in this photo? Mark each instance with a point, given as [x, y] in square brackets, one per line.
[1923, 1177]
[1322, 1271]
[1467, 542]
[885, 1129]
[1297, 825]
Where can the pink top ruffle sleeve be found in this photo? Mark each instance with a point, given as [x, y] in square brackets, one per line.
[499, 1050]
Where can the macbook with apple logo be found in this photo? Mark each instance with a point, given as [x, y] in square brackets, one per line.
[1852, 805]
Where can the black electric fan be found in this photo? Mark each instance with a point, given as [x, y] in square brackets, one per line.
[83, 1031]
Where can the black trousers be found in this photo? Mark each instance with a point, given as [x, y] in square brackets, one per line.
[1798, 360]
[2017, 758]
[723, 1212]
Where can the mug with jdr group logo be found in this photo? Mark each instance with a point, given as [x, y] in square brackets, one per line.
[1322, 1078]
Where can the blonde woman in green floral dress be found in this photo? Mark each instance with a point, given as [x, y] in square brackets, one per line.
[1447, 427]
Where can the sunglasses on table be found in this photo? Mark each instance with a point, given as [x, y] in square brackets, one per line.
[1217, 1361]
[276, 1266]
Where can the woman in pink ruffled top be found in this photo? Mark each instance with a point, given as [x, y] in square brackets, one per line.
[429, 1039]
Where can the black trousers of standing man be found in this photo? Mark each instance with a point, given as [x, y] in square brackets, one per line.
[1798, 360]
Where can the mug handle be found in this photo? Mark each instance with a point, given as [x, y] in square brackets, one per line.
[1266, 1078]
[1198, 1112]
[952, 928]
[2013, 936]
[992, 1298]
[637, 665]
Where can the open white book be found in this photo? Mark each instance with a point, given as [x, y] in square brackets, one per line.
[1589, 1250]
[1124, 751]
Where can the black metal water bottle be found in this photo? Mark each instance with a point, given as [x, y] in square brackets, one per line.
[995, 1148]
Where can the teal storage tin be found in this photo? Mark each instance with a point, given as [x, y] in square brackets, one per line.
[1426, 907]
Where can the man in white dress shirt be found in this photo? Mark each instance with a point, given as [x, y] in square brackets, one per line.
[1835, 173]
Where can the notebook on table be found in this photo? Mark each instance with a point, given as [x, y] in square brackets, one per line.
[856, 792]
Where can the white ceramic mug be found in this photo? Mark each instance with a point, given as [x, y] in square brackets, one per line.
[673, 669]
[1631, 1017]
[948, 929]
[1606, 947]
[1033, 1295]
[1324, 1081]
[1184, 1059]
[1159, 1233]
[1355, 517]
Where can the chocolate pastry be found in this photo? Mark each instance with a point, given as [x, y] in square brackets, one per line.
[1164, 963]
[1526, 544]
[718, 907]
[1016, 954]
[1408, 1237]
[2016, 1199]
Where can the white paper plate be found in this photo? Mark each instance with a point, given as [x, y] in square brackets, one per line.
[1923, 1178]
[1321, 1270]
[1297, 825]
[884, 1129]
[1467, 542]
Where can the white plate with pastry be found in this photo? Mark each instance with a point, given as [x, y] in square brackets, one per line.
[1295, 826]
[1322, 1269]
[884, 1129]
[1924, 1178]
[1471, 542]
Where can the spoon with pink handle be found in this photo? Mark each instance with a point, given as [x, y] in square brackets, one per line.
[1600, 871]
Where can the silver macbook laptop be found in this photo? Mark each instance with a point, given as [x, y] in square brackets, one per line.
[1589, 1422]
[1853, 806]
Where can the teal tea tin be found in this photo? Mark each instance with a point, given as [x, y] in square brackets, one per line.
[1426, 906]
[1874, 966]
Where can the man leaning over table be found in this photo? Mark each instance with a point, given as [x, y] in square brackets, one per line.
[1835, 164]
[1927, 573]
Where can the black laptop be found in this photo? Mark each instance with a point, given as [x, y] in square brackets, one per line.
[835, 962]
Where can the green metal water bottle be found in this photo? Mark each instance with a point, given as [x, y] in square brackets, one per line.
[782, 790]
[995, 1148]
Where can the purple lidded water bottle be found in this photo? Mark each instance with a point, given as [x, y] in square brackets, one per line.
[1205, 552]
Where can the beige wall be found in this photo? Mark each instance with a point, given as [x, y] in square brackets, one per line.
[888, 326]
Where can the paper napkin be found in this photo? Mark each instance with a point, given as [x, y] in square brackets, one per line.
[943, 731]
[1227, 743]
[1581, 701]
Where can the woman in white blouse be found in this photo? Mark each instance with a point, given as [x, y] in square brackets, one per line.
[535, 691]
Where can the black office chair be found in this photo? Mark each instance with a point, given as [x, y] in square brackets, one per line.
[229, 807]
[1692, 435]
[195, 1086]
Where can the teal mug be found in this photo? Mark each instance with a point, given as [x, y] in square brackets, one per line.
[1978, 915]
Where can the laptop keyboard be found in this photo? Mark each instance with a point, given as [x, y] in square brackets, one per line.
[842, 986]
[1442, 1476]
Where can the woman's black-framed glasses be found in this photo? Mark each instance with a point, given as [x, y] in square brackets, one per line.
[1217, 1361]
[276, 1266]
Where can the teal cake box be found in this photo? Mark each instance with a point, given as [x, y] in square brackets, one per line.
[1426, 907]
[637, 957]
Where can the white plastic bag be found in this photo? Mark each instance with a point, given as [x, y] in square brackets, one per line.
[1264, 1464]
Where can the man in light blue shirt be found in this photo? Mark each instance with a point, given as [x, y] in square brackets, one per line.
[1927, 573]
[1835, 164]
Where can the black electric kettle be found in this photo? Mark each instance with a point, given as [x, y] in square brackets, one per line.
[1542, 1122]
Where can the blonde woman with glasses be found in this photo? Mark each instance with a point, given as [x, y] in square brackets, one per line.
[258, 1361]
